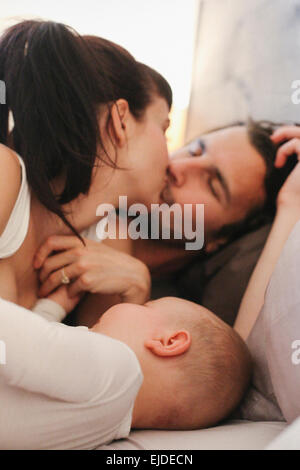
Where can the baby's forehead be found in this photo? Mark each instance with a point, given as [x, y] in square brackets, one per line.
[178, 306]
[125, 308]
[174, 309]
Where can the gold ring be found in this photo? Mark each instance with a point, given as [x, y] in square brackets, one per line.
[64, 278]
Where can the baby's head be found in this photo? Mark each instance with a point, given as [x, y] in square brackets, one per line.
[196, 368]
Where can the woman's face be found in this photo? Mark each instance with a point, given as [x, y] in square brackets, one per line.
[147, 153]
[142, 158]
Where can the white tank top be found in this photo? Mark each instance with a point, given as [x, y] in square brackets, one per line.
[16, 229]
[17, 226]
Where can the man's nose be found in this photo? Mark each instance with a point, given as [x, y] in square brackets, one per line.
[180, 170]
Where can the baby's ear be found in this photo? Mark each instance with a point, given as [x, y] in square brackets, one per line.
[171, 344]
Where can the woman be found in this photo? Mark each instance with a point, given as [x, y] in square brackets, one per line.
[89, 125]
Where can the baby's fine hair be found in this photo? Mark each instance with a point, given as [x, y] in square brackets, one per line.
[212, 375]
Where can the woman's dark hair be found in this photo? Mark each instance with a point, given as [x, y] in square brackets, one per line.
[139, 92]
[160, 86]
[55, 81]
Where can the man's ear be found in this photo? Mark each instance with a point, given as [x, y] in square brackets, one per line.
[170, 345]
[119, 115]
[214, 245]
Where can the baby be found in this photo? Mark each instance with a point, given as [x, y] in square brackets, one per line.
[196, 368]
[169, 364]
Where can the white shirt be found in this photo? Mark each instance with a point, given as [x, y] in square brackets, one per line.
[62, 387]
[16, 229]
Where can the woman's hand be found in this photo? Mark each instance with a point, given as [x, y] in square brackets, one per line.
[289, 195]
[292, 135]
[94, 268]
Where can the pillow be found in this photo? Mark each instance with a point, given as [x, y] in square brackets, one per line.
[287, 439]
[259, 403]
[219, 281]
[274, 342]
[281, 316]
[232, 435]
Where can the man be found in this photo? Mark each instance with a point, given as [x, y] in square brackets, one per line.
[230, 171]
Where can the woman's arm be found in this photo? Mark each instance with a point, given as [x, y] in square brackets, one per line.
[253, 299]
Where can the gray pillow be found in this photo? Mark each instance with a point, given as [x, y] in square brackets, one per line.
[281, 317]
[219, 281]
[259, 403]
[275, 342]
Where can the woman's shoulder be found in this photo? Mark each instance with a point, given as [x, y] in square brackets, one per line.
[10, 183]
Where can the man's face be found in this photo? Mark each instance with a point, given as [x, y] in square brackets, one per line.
[222, 171]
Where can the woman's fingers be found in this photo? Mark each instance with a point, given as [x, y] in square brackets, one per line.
[95, 269]
[285, 133]
[55, 262]
[54, 243]
[55, 279]
[281, 134]
[289, 148]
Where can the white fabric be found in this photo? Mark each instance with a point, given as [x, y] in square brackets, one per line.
[62, 387]
[16, 229]
[234, 435]
[49, 310]
[289, 439]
